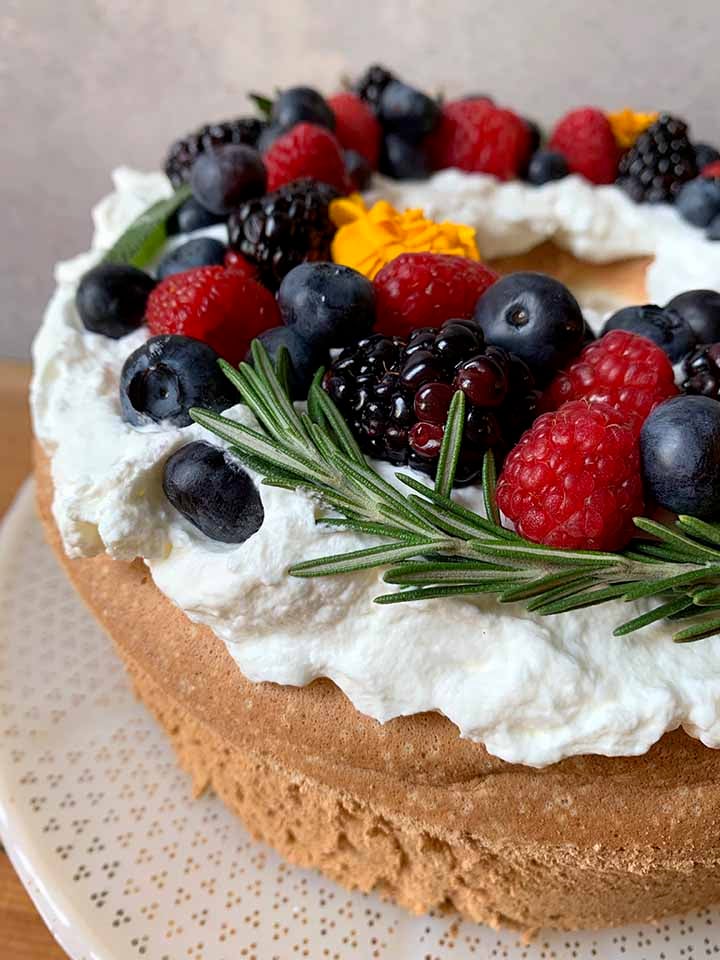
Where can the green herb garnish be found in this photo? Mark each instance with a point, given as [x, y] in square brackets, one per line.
[434, 547]
[145, 236]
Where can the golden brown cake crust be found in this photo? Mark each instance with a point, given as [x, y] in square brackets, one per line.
[409, 807]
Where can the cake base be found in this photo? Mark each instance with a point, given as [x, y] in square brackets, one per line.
[408, 808]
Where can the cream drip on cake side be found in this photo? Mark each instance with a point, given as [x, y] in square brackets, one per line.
[532, 689]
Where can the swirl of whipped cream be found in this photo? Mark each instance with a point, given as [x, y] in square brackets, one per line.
[533, 690]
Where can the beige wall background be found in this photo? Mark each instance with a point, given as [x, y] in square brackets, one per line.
[87, 84]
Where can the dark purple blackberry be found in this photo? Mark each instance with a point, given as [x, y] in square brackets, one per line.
[372, 83]
[661, 160]
[282, 229]
[395, 395]
[183, 153]
[701, 369]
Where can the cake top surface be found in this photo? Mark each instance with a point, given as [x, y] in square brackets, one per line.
[278, 523]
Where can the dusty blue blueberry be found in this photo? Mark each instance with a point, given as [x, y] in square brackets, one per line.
[664, 326]
[680, 449]
[535, 317]
[213, 491]
[701, 310]
[306, 356]
[111, 299]
[196, 252]
[169, 374]
[327, 303]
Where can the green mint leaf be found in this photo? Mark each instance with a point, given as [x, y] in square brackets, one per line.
[264, 104]
[145, 236]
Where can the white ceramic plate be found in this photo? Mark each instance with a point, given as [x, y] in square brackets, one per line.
[123, 864]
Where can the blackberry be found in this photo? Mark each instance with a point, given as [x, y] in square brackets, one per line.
[372, 83]
[701, 369]
[395, 395]
[282, 229]
[183, 153]
[661, 160]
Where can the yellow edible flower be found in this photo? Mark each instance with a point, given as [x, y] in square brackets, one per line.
[628, 125]
[367, 239]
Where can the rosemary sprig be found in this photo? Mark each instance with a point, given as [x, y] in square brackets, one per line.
[434, 547]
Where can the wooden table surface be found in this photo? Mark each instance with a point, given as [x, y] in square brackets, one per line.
[23, 935]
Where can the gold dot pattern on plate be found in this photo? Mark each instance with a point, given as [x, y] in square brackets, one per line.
[126, 865]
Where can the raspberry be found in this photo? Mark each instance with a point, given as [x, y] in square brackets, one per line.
[238, 264]
[306, 151]
[356, 126]
[586, 140]
[628, 371]
[574, 479]
[477, 136]
[220, 307]
[425, 289]
[711, 170]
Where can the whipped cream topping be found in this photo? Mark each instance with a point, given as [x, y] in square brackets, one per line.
[532, 689]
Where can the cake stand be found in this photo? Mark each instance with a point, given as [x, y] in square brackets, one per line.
[123, 863]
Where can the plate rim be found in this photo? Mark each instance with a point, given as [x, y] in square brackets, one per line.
[59, 913]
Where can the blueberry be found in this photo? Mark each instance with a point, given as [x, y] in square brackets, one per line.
[665, 327]
[402, 160]
[191, 216]
[198, 252]
[699, 201]
[546, 165]
[306, 357]
[301, 105]
[713, 231]
[701, 310]
[211, 490]
[169, 374]
[680, 449]
[327, 303]
[535, 317]
[705, 154]
[269, 136]
[111, 299]
[406, 111]
[223, 179]
[358, 169]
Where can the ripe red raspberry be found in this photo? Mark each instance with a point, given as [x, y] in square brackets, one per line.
[238, 264]
[574, 479]
[221, 307]
[425, 289]
[477, 136]
[306, 151]
[623, 369]
[585, 138]
[711, 170]
[356, 126]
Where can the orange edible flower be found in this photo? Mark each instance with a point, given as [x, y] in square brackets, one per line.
[627, 125]
[367, 239]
